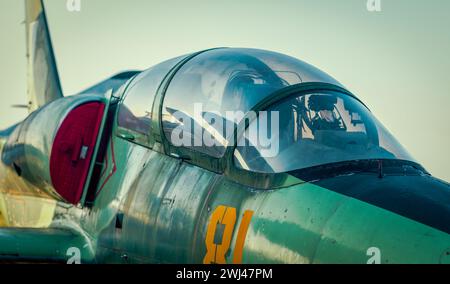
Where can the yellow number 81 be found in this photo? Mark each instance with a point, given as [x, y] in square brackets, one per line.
[226, 216]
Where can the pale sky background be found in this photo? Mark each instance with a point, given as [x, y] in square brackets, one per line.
[397, 61]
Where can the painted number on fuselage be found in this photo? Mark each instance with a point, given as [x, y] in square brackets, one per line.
[226, 218]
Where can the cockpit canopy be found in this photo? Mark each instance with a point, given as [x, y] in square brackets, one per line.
[212, 92]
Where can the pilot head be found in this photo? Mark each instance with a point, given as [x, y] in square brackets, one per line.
[324, 108]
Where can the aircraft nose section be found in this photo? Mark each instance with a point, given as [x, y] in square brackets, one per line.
[412, 194]
[419, 197]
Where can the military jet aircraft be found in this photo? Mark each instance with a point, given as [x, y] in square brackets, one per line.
[120, 172]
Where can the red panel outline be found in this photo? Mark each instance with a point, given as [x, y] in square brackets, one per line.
[74, 193]
[113, 171]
